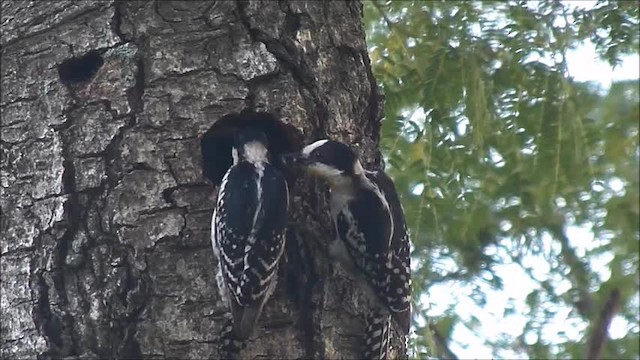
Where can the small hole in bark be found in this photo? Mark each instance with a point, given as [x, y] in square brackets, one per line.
[216, 143]
[81, 69]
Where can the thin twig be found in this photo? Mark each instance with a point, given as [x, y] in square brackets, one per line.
[578, 270]
[383, 13]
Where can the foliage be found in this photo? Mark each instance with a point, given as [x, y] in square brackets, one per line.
[498, 153]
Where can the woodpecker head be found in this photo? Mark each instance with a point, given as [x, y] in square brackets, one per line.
[328, 159]
[250, 145]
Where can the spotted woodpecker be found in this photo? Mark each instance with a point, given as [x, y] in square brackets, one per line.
[248, 230]
[372, 241]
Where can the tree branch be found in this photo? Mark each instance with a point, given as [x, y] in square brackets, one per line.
[442, 349]
[599, 334]
[578, 270]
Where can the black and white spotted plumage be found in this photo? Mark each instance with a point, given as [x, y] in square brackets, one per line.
[400, 266]
[376, 335]
[375, 242]
[372, 241]
[248, 230]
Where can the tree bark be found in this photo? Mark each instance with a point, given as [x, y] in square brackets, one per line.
[105, 213]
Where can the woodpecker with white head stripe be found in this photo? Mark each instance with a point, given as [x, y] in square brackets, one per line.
[372, 241]
[248, 230]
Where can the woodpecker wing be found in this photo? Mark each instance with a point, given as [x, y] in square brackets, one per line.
[365, 226]
[251, 215]
[398, 287]
[400, 238]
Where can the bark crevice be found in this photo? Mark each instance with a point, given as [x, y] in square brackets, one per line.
[289, 56]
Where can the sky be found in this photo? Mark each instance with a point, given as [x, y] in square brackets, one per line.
[583, 65]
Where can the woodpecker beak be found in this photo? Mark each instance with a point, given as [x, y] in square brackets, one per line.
[293, 159]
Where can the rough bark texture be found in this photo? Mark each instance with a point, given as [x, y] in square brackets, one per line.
[105, 214]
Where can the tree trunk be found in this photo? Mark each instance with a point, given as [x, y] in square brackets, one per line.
[105, 212]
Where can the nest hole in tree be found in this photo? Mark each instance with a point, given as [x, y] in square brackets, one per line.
[217, 142]
[80, 69]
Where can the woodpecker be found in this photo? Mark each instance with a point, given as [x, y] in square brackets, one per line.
[248, 230]
[372, 241]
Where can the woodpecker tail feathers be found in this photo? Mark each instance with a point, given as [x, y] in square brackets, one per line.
[245, 318]
[403, 318]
